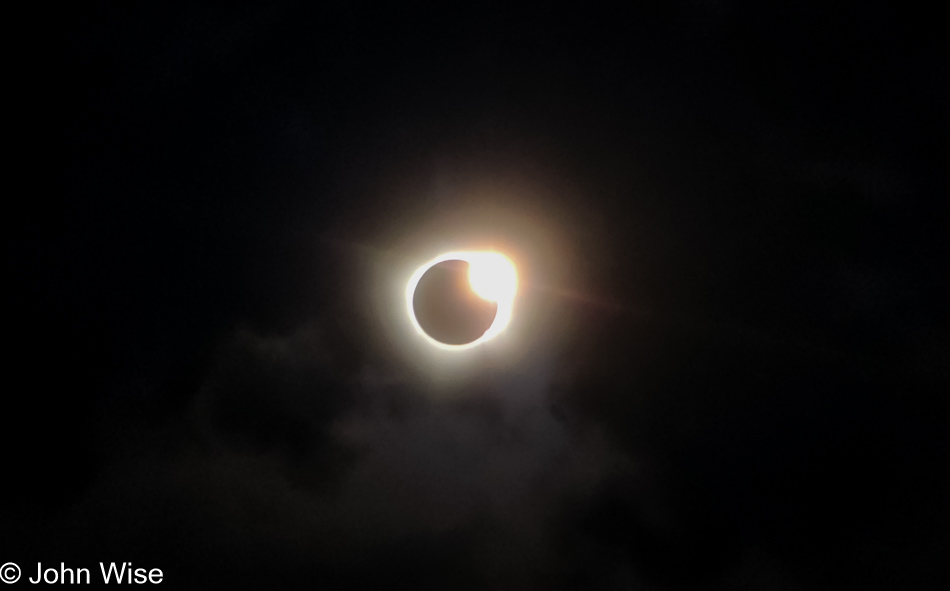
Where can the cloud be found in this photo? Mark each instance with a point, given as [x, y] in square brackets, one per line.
[285, 467]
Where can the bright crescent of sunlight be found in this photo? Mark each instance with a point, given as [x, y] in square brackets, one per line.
[492, 277]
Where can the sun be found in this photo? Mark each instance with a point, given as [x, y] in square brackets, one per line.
[492, 276]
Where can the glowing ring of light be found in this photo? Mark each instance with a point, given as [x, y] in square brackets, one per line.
[492, 277]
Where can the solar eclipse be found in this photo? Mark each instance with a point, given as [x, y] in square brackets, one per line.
[461, 299]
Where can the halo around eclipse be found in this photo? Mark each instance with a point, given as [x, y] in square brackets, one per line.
[492, 276]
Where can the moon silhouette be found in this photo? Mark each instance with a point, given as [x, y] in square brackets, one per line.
[447, 308]
[459, 300]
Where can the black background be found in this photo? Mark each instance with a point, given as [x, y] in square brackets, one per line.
[754, 187]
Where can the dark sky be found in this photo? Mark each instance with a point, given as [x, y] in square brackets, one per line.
[733, 361]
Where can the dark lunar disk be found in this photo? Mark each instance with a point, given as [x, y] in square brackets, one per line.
[446, 307]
